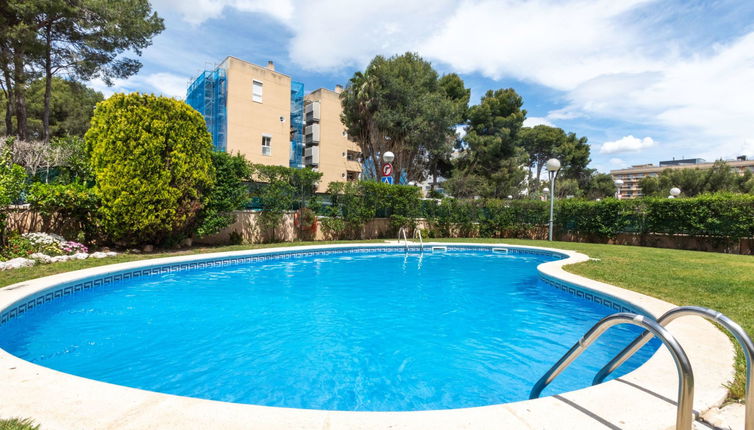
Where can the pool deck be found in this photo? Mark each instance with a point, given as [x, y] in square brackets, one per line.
[643, 399]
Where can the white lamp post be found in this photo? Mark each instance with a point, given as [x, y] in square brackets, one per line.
[674, 192]
[552, 165]
[618, 183]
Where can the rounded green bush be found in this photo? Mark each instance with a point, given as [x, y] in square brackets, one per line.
[151, 160]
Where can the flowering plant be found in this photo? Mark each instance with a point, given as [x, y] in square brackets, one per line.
[40, 243]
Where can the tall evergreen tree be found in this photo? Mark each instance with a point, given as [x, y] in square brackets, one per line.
[83, 39]
[397, 104]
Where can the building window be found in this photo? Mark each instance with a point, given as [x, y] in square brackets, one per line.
[256, 93]
[266, 145]
[353, 156]
[352, 176]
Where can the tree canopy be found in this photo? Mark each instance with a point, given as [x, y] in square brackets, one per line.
[71, 107]
[83, 39]
[398, 104]
[692, 182]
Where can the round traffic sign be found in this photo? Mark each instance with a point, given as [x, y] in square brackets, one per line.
[387, 169]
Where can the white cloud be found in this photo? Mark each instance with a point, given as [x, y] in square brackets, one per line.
[166, 84]
[560, 43]
[196, 12]
[537, 120]
[604, 60]
[617, 162]
[627, 144]
[331, 34]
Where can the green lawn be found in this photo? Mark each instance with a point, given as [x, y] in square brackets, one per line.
[719, 281]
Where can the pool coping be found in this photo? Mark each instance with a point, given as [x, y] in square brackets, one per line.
[642, 399]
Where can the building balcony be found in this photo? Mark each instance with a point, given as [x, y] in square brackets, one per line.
[312, 112]
[311, 134]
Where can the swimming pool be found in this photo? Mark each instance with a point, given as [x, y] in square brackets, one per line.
[339, 329]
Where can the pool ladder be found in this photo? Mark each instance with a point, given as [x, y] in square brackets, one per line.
[417, 234]
[684, 414]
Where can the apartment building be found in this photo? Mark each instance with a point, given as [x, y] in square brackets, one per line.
[632, 176]
[328, 148]
[252, 110]
[259, 112]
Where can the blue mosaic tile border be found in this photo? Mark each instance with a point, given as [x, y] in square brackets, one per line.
[610, 302]
[66, 289]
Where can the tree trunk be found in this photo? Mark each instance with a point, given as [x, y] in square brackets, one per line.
[434, 176]
[48, 83]
[8, 92]
[19, 79]
[9, 109]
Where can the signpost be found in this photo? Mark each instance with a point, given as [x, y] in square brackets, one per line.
[387, 173]
[387, 168]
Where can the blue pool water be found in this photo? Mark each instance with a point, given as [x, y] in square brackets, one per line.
[349, 331]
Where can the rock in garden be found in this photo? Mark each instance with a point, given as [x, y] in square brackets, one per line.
[19, 262]
[42, 258]
[80, 256]
[98, 255]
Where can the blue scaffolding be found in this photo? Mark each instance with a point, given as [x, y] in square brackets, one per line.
[297, 125]
[208, 94]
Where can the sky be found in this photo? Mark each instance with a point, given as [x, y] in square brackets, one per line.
[643, 80]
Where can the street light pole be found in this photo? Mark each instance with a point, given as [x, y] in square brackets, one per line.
[553, 165]
[618, 183]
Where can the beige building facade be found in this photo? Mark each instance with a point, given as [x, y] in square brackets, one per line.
[327, 146]
[264, 115]
[631, 177]
[258, 112]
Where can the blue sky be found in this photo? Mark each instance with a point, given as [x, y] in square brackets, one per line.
[644, 80]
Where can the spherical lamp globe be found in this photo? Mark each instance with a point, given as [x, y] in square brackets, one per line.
[388, 157]
[675, 191]
[553, 164]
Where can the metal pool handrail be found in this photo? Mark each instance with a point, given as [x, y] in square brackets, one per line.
[739, 333]
[684, 414]
[402, 231]
[418, 233]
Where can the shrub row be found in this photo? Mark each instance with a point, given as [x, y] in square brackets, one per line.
[721, 215]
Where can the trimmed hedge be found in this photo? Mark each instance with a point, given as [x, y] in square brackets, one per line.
[723, 215]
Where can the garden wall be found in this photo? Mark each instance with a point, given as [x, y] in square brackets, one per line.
[247, 229]
[22, 220]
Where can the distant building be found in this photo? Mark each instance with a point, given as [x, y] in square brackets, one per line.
[630, 188]
[328, 148]
[252, 110]
[264, 115]
[684, 162]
